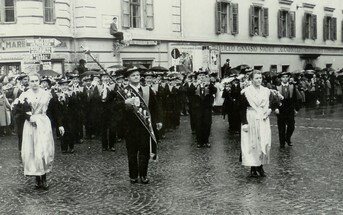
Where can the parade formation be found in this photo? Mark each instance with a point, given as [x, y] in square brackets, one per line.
[141, 105]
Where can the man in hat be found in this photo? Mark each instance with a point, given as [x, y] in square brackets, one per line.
[190, 86]
[66, 106]
[203, 103]
[139, 144]
[114, 31]
[287, 110]
[22, 86]
[232, 96]
[89, 109]
[76, 97]
[107, 115]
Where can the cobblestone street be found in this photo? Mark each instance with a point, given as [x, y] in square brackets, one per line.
[304, 179]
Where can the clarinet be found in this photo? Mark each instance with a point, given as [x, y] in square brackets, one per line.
[141, 109]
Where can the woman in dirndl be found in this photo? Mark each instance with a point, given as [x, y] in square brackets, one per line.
[38, 144]
[255, 130]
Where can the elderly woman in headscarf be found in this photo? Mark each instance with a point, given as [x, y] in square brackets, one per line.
[256, 106]
[5, 117]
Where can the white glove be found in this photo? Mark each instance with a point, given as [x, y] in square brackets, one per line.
[245, 127]
[61, 130]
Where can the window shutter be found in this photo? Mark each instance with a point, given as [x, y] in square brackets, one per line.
[251, 21]
[325, 28]
[314, 26]
[235, 23]
[292, 24]
[305, 26]
[342, 31]
[333, 28]
[265, 21]
[149, 14]
[125, 8]
[279, 27]
[218, 23]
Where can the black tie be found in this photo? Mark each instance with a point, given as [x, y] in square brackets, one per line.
[140, 91]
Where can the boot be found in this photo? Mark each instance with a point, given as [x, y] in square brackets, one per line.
[44, 182]
[253, 172]
[38, 182]
[261, 171]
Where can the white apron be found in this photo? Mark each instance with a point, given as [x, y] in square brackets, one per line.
[256, 143]
[38, 144]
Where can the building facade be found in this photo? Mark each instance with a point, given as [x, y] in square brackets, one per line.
[278, 35]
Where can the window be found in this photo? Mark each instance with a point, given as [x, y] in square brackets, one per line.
[285, 68]
[134, 10]
[259, 21]
[49, 11]
[310, 26]
[9, 69]
[286, 24]
[330, 28]
[7, 11]
[226, 17]
[273, 68]
[258, 68]
[145, 63]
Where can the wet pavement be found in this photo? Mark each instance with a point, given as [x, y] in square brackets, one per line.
[304, 179]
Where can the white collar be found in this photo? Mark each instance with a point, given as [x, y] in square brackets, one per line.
[285, 85]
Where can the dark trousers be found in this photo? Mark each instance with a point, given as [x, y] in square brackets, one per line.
[192, 118]
[67, 142]
[234, 121]
[138, 150]
[20, 128]
[108, 134]
[118, 36]
[203, 124]
[286, 125]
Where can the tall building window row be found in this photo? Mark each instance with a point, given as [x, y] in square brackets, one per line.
[138, 14]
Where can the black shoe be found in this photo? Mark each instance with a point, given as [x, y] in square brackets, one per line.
[253, 172]
[261, 171]
[198, 146]
[104, 149]
[282, 146]
[64, 152]
[144, 180]
[133, 180]
[112, 149]
[38, 182]
[71, 151]
[289, 143]
[208, 145]
[45, 185]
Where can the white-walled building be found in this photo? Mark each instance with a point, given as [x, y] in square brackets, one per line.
[267, 34]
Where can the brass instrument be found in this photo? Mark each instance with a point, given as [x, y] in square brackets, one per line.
[141, 109]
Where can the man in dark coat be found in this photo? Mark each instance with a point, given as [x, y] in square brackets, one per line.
[231, 100]
[202, 107]
[190, 87]
[19, 118]
[108, 132]
[287, 110]
[138, 140]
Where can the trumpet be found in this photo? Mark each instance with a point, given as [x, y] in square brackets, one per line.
[141, 109]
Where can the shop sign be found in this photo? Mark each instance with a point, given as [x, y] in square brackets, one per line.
[242, 48]
[143, 42]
